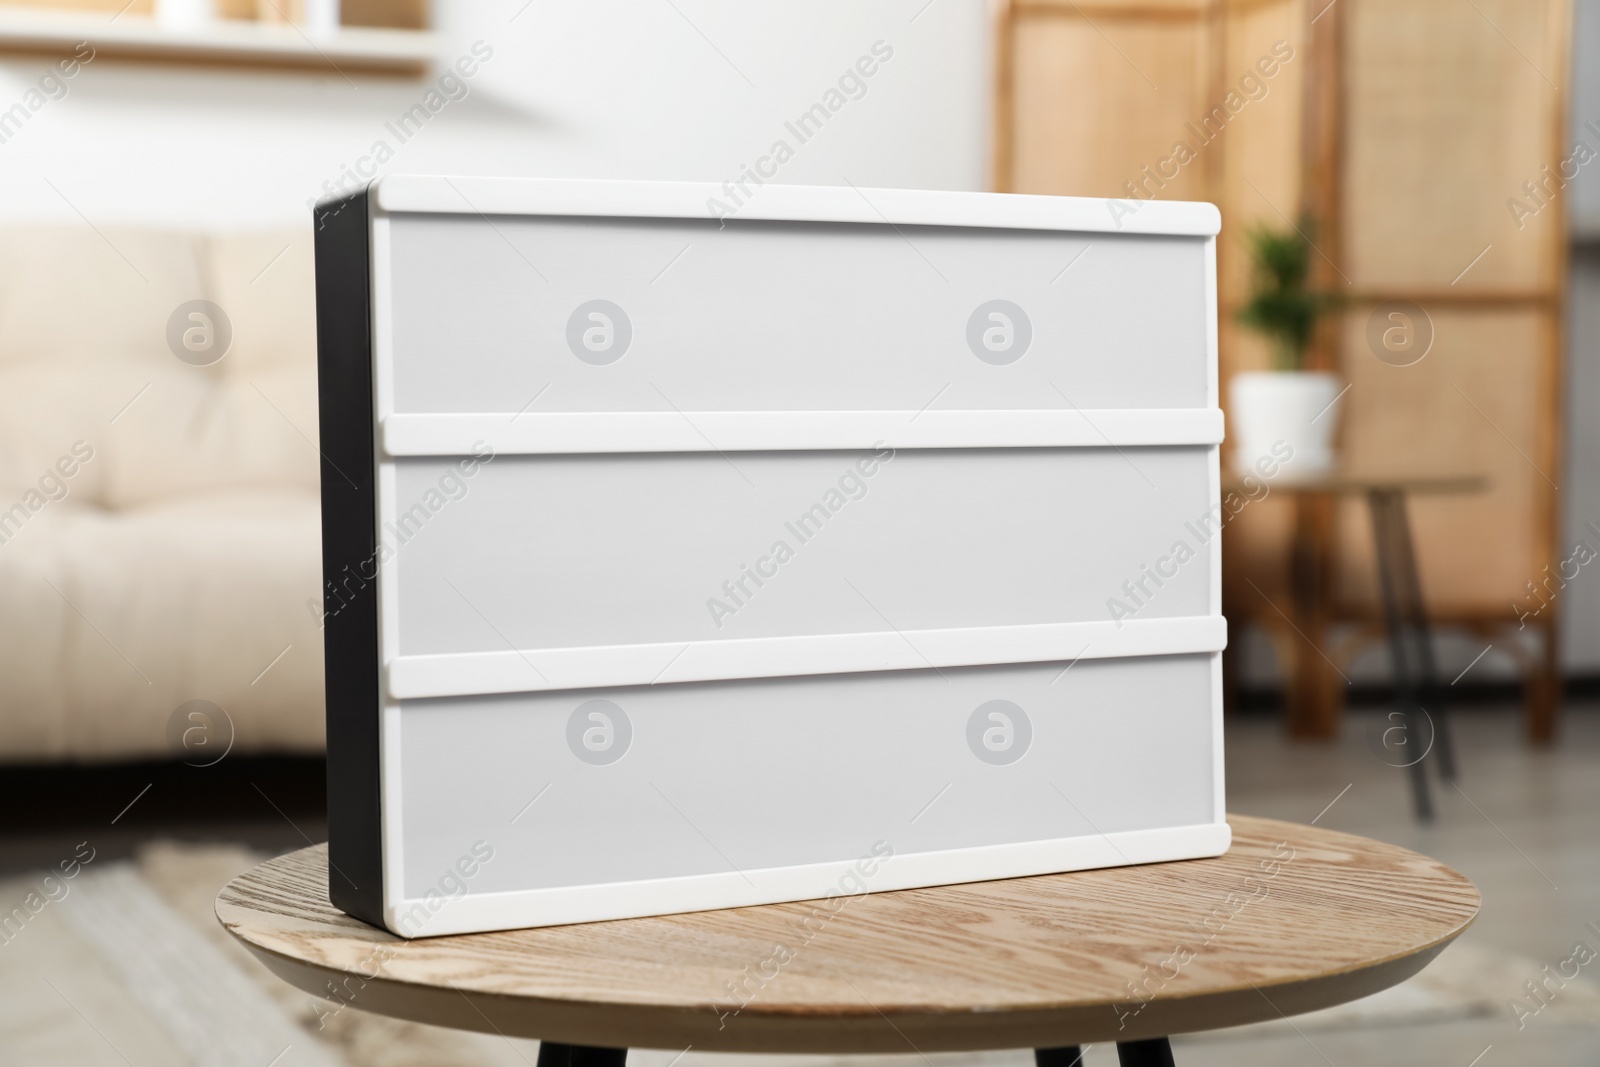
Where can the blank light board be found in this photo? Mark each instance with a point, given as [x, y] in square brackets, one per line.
[863, 540]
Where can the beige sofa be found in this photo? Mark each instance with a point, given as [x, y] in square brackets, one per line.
[159, 535]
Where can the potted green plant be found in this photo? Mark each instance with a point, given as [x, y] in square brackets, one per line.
[1283, 410]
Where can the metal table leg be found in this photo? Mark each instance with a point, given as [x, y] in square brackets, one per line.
[1405, 617]
[1411, 586]
[1155, 1052]
[1065, 1056]
[552, 1054]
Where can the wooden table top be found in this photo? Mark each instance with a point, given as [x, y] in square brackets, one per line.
[1343, 481]
[1292, 919]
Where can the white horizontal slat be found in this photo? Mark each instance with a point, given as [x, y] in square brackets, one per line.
[535, 670]
[793, 203]
[558, 905]
[758, 431]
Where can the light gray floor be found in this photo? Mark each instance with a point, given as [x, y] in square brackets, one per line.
[1524, 824]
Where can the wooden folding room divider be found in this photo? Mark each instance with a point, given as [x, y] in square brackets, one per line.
[1444, 122]
[1412, 130]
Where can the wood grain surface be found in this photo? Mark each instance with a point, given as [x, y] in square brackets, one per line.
[1292, 919]
[1348, 481]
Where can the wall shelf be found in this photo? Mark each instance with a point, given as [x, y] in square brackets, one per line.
[350, 50]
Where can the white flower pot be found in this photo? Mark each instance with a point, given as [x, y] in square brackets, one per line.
[185, 14]
[1283, 419]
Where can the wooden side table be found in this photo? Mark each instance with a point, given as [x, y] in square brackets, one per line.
[1404, 610]
[1293, 918]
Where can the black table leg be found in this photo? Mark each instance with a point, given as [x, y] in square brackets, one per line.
[1396, 581]
[1154, 1052]
[552, 1054]
[1411, 586]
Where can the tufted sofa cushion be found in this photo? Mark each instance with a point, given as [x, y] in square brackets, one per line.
[176, 559]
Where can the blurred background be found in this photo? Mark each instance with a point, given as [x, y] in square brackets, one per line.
[1410, 195]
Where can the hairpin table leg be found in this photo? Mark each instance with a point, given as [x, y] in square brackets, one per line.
[1384, 504]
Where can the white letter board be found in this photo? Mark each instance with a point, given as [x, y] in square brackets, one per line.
[861, 541]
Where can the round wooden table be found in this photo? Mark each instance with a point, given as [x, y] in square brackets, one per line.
[1294, 918]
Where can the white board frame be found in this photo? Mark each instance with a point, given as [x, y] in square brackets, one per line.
[397, 435]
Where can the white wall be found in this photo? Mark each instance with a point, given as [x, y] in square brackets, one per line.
[1580, 618]
[686, 89]
[1583, 203]
[1580, 621]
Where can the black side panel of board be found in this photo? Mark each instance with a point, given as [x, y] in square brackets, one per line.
[349, 555]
